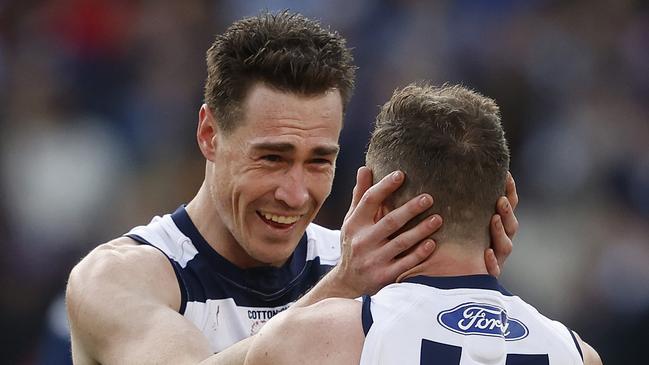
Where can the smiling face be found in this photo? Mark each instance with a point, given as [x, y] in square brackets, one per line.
[268, 177]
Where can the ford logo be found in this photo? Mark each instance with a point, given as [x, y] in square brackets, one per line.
[482, 319]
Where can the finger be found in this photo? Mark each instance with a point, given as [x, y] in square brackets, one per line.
[510, 190]
[508, 218]
[404, 241]
[500, 242]
[363, 182]
[397, 218]
[491, 262]
[402, 265]
[373, 198]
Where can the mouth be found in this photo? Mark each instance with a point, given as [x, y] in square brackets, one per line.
[278, 221]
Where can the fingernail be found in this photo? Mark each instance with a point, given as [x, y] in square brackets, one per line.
[506, 205]
[428, 245]
[499, 223]
[397, 176]
[434, 220]
[425, 201]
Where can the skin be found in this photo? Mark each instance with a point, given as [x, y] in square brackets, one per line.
[123, 298]
[591, 357]
[333, 324]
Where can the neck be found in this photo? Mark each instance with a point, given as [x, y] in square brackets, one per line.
[451, 259]
[205, 217]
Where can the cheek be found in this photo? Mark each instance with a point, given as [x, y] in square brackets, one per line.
[235, 182]
[226, 190]
[250, 189]
[322, 187]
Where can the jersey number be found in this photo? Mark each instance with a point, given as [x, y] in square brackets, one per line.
[440, 353]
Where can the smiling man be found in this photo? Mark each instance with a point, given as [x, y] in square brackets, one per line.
[269, 176]
[194, 282]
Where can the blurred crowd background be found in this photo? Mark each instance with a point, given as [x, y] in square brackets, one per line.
[99, 102]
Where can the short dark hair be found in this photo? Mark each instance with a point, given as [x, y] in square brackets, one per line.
[450, 143]
[284, 50]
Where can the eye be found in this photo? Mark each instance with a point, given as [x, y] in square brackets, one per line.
[272, 158]
[321, 161]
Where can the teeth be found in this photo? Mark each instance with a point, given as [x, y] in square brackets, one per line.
[281, 218]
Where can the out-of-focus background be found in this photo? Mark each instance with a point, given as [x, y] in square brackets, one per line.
[99, 102]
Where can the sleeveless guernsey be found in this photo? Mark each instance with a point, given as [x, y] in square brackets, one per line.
[225, 302]
[460, 321]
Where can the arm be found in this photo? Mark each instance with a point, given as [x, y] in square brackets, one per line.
[233, 355]
[122, 301]
[372, 258]
[591, 357]
[329, 332]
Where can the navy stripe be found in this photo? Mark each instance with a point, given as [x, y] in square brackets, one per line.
[205, 283]
[282, 275]
[527, 359]
[210, 276]
[460, 282]
[174, 265]
[439, 353]
[366, 314]
[574, 338]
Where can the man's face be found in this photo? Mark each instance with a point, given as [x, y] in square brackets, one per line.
[272, 173]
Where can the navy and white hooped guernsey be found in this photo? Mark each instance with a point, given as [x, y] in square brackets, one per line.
[460, 320]
[225, 302]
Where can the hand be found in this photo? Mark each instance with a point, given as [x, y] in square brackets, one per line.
[504, 226]
[371, 256]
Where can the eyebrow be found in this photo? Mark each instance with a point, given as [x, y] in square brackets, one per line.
[288, 147]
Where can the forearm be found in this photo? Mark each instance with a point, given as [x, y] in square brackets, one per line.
[233, 355]
[331, 285]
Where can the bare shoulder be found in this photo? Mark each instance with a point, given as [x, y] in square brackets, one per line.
[329, 331]
[122, 265]
[110, 292]
[591, 357]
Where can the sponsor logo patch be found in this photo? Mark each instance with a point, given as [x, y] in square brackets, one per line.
[482, 319]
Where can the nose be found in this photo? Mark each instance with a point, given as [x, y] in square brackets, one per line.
[292, 190]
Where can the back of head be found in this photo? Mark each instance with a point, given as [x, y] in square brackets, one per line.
[286, 51]
[450, 143]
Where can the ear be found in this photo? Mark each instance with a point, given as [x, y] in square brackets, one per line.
[207, 132]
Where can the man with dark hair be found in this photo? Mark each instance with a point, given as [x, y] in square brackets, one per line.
[192, 283]
[286, 51]
[447, 309]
